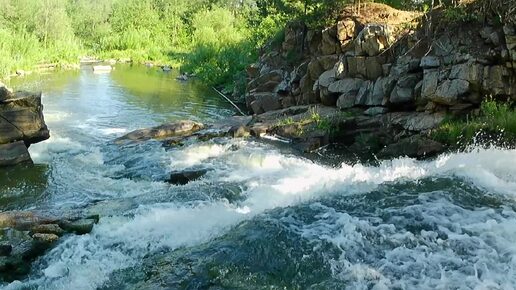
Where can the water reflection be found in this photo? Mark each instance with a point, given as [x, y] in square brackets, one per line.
[22, 186]
[85, 112]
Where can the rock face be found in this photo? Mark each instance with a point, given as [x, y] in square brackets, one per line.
[21, 124]
[397, 81]
[25, 235]
[13, 153]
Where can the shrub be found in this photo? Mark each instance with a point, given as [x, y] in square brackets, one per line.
[496, 122]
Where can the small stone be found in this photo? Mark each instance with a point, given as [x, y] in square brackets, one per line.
[375, 111]
[239, 132]
[259, 130]
[48, 229]
[45, 238]
[80, 227]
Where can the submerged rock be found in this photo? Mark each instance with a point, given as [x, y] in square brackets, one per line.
[415, 147]
[186, 176]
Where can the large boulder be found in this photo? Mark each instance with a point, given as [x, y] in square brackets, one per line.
[369, 68]
[275, 76]
[186, 176]
[414, 147]
[315, 69]
[471, 72]
[430, 82]
[324, 81]
[313, 41]
[293, 36]
[21, 124]
[329, 43]
[404, 89]
[345, 86]
[5, 92]
[373, 39]
[510, 40]
[346, 100]
[341, 68]
[264, 102]
[174, 129]
[328, 61]
[26, 235]
[23, 112]
[345, 30]
[365, 94]
[415, 121]
[13, 153]
[429, 62]
[449, 92]
[497, 81]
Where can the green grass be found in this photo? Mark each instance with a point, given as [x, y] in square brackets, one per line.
[496, 122]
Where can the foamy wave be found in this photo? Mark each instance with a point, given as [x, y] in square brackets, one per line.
[275, 180]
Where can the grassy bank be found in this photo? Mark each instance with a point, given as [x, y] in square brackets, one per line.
[495, 122]
[215, 39]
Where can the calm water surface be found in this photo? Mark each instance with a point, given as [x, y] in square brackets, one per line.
[263, 218]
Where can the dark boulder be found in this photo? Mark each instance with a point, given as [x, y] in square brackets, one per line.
[185, 176]
[415, 147]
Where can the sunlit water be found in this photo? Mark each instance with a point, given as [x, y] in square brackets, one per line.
[263, 218]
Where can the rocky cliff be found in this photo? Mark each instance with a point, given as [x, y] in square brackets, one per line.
[400, 72]
[21, 124]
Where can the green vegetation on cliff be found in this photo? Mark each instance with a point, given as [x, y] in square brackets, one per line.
[494, 122]
[215, 39]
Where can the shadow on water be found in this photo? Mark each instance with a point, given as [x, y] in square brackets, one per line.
[160, 91]
[22, 186]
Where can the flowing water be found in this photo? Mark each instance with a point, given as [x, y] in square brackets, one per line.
[264, 217]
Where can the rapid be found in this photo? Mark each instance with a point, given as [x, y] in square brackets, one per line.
[264, 217]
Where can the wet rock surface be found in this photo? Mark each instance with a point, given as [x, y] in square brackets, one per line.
[174, 129]
[26, 235]
[186, 176]
[21, 124]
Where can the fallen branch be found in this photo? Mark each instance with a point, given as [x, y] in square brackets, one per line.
[231, 102]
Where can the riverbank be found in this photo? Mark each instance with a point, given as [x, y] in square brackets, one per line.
[399, 80]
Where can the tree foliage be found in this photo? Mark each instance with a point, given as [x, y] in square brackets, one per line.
[211, 37]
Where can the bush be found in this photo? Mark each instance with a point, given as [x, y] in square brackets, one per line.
[221, 48]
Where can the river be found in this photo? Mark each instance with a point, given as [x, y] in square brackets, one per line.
[264, 217]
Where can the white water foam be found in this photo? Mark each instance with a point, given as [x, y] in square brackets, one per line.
[477, 253]
[273, 180]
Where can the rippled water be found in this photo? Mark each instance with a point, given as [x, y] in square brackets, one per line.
[264, 218]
